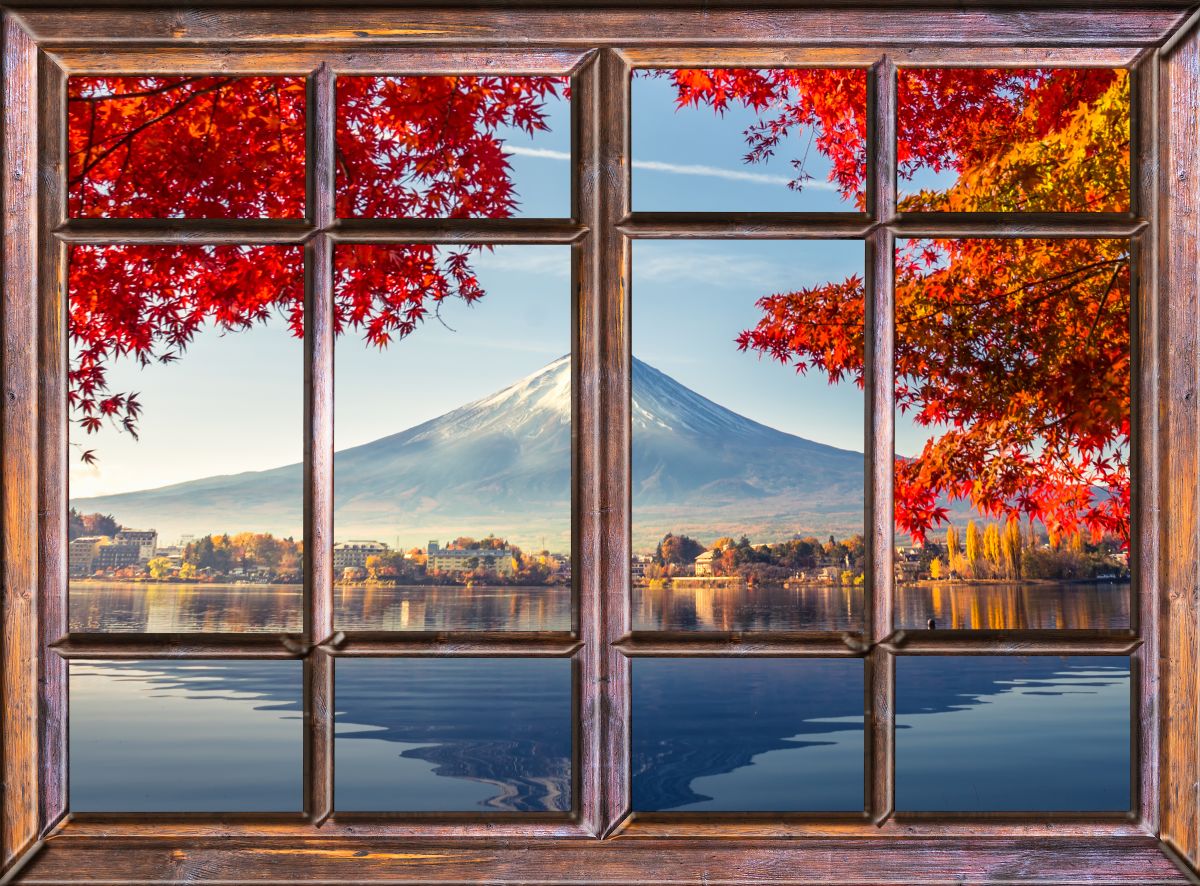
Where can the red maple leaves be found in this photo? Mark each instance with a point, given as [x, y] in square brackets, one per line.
[1015, 353]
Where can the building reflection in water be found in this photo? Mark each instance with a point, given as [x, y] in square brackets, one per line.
[178, 608]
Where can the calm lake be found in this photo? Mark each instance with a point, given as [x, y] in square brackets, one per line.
[168, 608]
[973, 733]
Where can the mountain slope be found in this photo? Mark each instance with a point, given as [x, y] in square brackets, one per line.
[502, 464]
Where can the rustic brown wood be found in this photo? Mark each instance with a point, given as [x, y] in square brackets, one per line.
[682, 826]
[1178, 454]
[586, 465]
[607, 690]
[757, 643]
[1049, 224]
[1144, 608]
[53, 446]
[879, 391]
[456, 643]
[591, 27]
[483, 230]
[411, 60]
[506, 40]
[1113, 861]
[746, 226]
[507, 826]
[320, 199]
[19, 803]
[127, 647]
[196, 232]
[851, 56]
[1030, 642]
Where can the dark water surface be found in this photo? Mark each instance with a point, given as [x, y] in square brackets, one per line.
[973, 733]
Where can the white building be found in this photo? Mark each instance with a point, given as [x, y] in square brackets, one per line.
[145, 539]
[81, 554]
[460, 561]
[704, 563]
[353, 554]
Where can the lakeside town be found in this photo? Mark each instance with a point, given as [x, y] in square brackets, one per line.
[102, 549]
[982, 552]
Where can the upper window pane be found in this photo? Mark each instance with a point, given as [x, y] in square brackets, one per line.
[1012, 483]
[760, 139]
[453, 147]
[186, 407]
[186, 147]
[452, 479]
[1013, 140]
[747, 463]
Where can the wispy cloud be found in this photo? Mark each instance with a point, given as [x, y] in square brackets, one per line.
[551, 261]
[713, 268]
[697, 169]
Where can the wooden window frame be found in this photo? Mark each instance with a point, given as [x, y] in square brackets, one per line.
[41, 842]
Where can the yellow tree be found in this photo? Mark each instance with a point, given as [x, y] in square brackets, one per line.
[1010, 548]
[991, 546]
[952, 548]
[973, 548]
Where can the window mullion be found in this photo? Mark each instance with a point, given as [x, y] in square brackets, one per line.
[318, 448]
[602, 463]
[879, 354]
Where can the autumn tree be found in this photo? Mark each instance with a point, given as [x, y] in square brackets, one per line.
[953, 551]
[974, 548]
[678, 550]
[992, 547]
[1014, 354]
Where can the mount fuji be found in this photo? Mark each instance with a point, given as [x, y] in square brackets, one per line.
[503, 464]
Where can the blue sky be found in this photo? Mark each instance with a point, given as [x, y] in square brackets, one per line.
[690, 299]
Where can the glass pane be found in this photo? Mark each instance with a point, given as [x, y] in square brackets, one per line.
[764, 140]
[453, 147]
[1013, 140]
[452, 480]
[1012, 483]
[750, 735]
[186, 736]
[186, 408]
[1004, 734]
[453, 734]
[748, 435]
[185, 147]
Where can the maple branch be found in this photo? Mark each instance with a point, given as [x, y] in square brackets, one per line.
[127, 139]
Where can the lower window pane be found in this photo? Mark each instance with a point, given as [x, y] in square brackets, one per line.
[750, 735]
[186, 736]
[447, 735]
[1007, 734]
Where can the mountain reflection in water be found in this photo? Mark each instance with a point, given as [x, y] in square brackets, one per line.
[167, 608]
[1028, 733]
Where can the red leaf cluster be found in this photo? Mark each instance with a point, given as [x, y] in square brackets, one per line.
[1014, 353]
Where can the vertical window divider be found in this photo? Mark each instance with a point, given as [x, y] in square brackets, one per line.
[53, 455]
[602, 266]
[1145, 531]
[878, 369]
[318, 447]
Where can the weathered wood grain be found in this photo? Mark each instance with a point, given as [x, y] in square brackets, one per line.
[52, 446]
[1145, 466]
[1113, 861]
[601, 45]
[616, 26]
[19, 803]
[409, 61]
[1179, 454]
